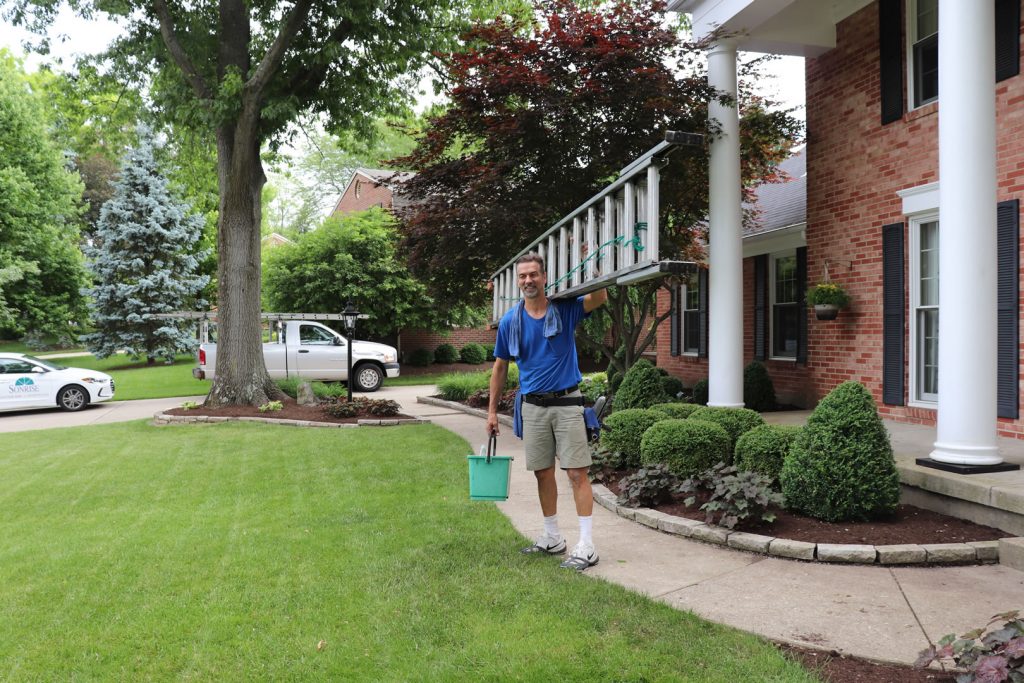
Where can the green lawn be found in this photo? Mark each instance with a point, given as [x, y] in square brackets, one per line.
[416, 380]
[135, 380]
[9, 346]
[228, 552]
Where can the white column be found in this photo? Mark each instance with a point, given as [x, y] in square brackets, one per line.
[725, 263]
[966, 432]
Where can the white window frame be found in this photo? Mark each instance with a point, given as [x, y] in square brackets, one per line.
[682, 319]
[915, 222]
[911, 38]
[770, 314]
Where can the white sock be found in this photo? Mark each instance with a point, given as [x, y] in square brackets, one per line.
[586, 529]
[551, 527]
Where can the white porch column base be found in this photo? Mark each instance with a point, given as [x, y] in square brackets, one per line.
[725, 262]
[965, 455]
[966, 420]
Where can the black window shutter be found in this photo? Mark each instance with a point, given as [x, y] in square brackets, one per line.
[675, 321]
[890, 59]
[760, 306]
[1007, 39]
[801, 303]
[702, 313]
[893, 290]
[1008, 303]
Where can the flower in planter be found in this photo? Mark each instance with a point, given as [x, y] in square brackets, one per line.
[828, 294]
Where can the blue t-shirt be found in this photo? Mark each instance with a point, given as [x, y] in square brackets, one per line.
[545, 364]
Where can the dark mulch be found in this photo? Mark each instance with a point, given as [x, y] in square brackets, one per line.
[290, 411]
[908, 525]
[832, 667]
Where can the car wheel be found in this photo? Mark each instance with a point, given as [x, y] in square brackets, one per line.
[369, 377]
[72, 398]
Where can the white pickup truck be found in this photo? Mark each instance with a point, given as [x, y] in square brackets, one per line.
[310, 350]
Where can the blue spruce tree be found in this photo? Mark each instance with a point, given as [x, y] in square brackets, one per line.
[144, 263]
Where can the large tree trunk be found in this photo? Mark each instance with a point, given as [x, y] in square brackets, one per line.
[241, 373]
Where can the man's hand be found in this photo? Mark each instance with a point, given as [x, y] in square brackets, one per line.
[498, 376]
[492, 425]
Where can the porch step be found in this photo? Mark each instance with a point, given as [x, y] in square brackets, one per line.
[1011, 553]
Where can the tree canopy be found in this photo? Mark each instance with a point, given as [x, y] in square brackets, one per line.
[352, 258]
[542, 116]
[41, 269]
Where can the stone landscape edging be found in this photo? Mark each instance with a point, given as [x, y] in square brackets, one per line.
[164, 418]
[932, 554]
[986, 552]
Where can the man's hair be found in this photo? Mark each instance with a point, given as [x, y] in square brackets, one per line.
[531, 257]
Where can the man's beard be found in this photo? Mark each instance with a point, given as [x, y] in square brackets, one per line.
[531, 292]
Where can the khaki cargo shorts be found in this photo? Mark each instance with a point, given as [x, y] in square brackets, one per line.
[555, 430]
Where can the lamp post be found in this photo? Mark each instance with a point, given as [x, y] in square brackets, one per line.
[349, 317]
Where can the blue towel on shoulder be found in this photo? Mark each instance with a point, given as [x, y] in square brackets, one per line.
[552, 326]
[517, 416]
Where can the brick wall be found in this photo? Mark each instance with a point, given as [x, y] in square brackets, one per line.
[410, 340]
[370, 195]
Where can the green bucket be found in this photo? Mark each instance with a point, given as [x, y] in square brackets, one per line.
[489, 474]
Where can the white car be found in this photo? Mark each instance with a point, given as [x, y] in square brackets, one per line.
[28, 382]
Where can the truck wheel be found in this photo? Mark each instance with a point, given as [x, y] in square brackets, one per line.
[72, 398]
[369, 377]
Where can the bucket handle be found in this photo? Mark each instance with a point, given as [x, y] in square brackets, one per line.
[492, 447]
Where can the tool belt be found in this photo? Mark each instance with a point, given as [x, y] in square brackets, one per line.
[549, 399]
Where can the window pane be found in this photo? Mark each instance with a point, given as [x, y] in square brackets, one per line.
[929, 262]
[785, 280]
[926, 70]
[784, 329]
[691, 332]
[691, 301]
[928, 359]
[927, 18]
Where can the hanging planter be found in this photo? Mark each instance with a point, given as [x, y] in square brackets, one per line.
[827, 298]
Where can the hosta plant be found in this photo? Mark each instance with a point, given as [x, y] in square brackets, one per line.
[271, 406]
[990, 654]
[734, 495]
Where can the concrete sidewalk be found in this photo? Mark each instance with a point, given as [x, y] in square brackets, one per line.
[880, 613]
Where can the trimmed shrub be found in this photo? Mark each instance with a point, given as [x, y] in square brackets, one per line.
[700, 392]
[678, 411]
[686, 447]
[673, 386]
[623, 431]
[763, 449]
[489, 349]
[641, 387]
[420, 358]
[445, 353]
[758, 389]
[736, 421]
[841, 466]
[473, 353]
[615, 381]
[459, 386]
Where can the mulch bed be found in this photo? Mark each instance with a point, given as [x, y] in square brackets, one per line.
[290, 411]
[909, 524]
[832, 667]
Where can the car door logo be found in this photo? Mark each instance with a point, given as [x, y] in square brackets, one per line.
[23, 385]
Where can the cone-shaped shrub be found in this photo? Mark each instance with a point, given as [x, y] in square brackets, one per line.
[686, 447]
[679, 411]
[672, 385]
[841, 466]
[641, 387]
[758, 389]
[736, 421]
[763, 449]
[623, 430]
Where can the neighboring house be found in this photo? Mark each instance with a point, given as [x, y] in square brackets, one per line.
[275, 240]
[878, 219]
[370, 187]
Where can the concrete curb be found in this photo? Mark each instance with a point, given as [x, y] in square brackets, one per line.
[983, 552]
[442, 403]
[164, 419]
